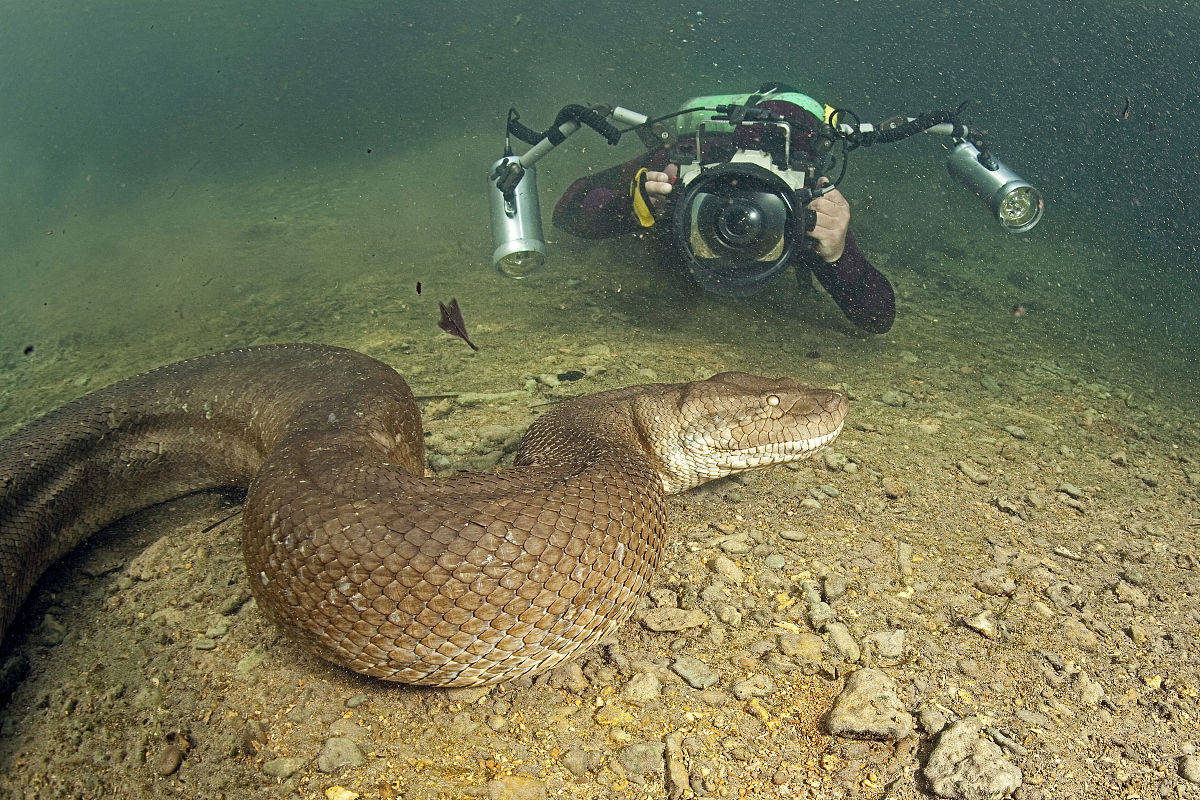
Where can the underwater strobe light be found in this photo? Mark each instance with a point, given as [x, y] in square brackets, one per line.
[516, 218]
[1014, 202]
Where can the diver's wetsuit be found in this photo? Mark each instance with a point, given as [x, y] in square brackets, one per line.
[599, 206]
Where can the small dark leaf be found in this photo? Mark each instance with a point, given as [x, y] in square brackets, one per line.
[452, 322]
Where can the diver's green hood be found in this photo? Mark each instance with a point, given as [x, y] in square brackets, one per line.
[689, 123]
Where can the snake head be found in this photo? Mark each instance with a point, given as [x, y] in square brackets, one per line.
[733, 422]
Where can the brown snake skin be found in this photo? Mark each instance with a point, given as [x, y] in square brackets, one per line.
[468, 580]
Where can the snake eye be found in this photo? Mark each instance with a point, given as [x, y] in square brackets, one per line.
[772, 399]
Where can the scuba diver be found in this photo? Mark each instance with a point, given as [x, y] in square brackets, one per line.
[737, 225]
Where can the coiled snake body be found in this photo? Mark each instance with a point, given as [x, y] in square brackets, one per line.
[466, 580]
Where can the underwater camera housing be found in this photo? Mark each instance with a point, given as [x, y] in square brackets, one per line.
[741, 209]
[737, 219]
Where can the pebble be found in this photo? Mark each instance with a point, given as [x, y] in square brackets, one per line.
[516, 787]
[775, 561]
[339, 752]
[995, 582]
[169, 759]
[1189, 768]
[643, 689]
[576, 761]
[697, 674]
[932, 721]
[1015, 431]
[673, 619]
[888, 644]
[1127, 593]
[643, 758]
[834, 586]
[973, 473]
[869, 708]
[985, 624]
[677, 781]
[340, 793]
[1072, 490]
[754, 686]
[841, 641]
[965, 766]
[894, 489]
[724, 566]
[283, 768]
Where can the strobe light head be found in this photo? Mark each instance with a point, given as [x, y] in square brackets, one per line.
[1015, 203]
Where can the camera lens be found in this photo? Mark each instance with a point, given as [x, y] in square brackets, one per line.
[739, 224]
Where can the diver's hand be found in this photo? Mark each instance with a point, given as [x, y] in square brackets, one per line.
[833, 219]
[659, 185]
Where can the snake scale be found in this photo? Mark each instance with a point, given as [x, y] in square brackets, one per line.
[464, 580]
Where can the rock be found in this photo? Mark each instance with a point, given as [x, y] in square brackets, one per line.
[841, 641]
[697, 674]
[339, 752]
[283, 768]
[1015, 431]
[984, 623]
[754, 686]
[932, 721]
[1189, 768]
[643, 689]
[887, 644]
[1127, 593]
[869, 708]
[677, 773]
[965, 766]
[834, 586]
[641, 759]
[516, 787]
[673, 619]
[731, 572]
[576, 761]
[973, 473]
[995, 582]
[894, 489]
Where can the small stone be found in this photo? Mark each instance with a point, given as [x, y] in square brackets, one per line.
[1131, 594]
[869, 708]
[724, 566]
[834, 586]
[775, 561]
[673, 619]
[887, 644]
[1120, 458]
[1071, 490]
[516, 787]
[677, 772]
[640, 759]
[643, 689]
[576, 761]
[754, 686]
[965, 766]
[1189, 768]
[973, 473]
[613, 715]
[932, 721]
[697, 674]
[841, 641]
[893, 488]
[984, 624]
[995, 582]
[834, 461]
[338, 753]
[1015, 431]
[340, 793]
[169, 759]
